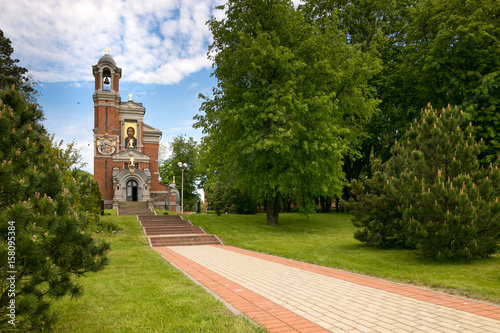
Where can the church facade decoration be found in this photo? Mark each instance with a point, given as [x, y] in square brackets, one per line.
[125, 148]
[105, 145]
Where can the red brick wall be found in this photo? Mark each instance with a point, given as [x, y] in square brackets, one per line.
[96, 116]
[151, 150]
[100, 119]
[116, 83]
[113, 121]
[97, 81]
[99, 176]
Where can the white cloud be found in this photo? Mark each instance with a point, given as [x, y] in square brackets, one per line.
[180, 129]
[155, 41]
[84, 145]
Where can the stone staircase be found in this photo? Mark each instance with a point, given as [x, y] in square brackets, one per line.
[134, 208]
[184, 240]
[173, 230]
[133, 205]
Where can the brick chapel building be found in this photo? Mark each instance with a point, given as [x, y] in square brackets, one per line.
[125, 148]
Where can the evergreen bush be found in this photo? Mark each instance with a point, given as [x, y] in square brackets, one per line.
[44, 242]
[375, 210]
[436, 196]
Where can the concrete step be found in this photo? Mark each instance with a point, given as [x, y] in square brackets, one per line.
[166, 224]
[133, 205]
[151, 231]
[172, 230]
[140, 212]
[184, 240]
[161, 218]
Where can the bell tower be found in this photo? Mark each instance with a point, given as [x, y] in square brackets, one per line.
[126, 163]
[107, 127]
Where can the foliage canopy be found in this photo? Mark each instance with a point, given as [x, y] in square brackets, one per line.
[290, 99]
[440, 51]
[186, 151]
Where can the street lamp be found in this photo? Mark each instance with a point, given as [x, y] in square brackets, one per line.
[182, 166]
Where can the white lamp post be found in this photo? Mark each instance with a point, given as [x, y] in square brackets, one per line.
[182, 166]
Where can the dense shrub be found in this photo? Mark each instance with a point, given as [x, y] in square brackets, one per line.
[432, 193]
[375, 210]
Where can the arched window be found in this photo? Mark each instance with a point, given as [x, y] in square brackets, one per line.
[106, 79]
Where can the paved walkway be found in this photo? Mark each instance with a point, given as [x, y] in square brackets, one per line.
[289, 296]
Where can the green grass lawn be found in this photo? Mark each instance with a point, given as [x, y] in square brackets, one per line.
[327, 240]
[140, 292]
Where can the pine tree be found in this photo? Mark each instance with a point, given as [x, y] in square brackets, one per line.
[444, 202]
[43, 240]
[375, 210]
[13, 74]
[454, 210]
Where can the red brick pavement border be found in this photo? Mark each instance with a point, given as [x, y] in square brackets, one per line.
[467, 305]
[274, 317]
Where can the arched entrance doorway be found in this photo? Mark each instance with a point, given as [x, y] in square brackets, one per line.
[132, 190]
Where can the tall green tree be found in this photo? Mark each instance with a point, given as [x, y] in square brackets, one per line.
[69, 161]
[221, 192]
[377, 27]
[290, 98]
[44, 242]
[444, 51]
[89, 197]
[183, 150]
[11, 73]
[452, 55]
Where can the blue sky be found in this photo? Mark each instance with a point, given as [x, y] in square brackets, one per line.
[161, 46]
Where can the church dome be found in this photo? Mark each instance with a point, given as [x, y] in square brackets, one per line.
[107, 58]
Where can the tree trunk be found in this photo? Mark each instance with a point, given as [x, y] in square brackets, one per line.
[273, 210]
[347, 194]
[322, 203]
[326, 204]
